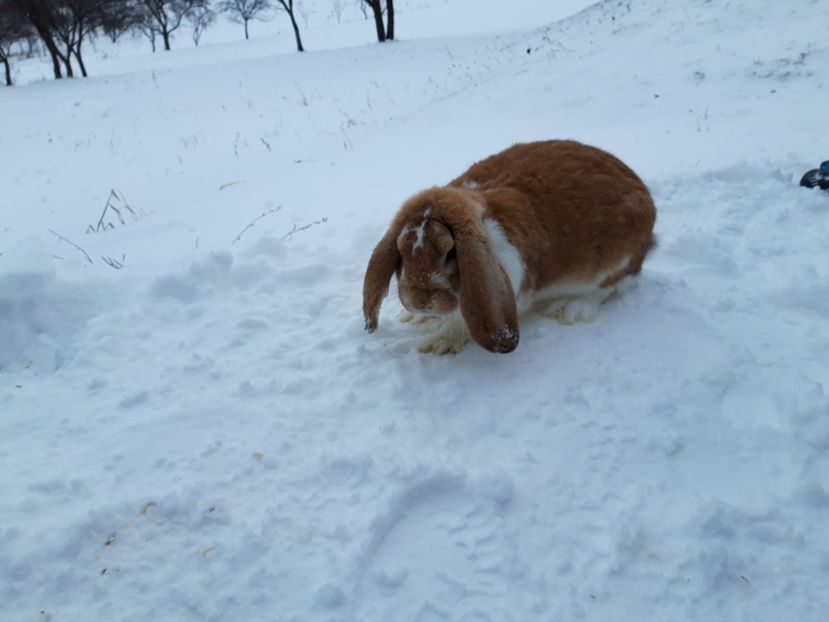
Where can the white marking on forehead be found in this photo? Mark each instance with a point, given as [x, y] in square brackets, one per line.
[421, 230]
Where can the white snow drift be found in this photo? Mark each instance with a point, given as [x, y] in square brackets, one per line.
[195, 426]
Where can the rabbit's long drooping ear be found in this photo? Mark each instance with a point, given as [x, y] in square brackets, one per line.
[381, 267]
[487, 301]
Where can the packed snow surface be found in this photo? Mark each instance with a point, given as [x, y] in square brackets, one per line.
[195, 426]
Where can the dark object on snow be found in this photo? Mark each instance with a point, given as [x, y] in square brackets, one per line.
[818, 177]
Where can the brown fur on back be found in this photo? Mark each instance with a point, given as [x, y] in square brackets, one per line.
[574, 211]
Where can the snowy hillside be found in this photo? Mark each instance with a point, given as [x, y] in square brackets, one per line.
[195, 426]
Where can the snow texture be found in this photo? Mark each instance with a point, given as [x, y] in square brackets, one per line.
[195, 426]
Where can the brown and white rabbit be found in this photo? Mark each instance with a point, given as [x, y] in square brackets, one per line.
[552, 226]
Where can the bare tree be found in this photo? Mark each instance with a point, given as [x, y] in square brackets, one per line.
[74, 21]
[390, 19]
[200, 19]
[164, 17]
[5, 55]
[119, 17]
[377, 10]
[384, 31]
[63, 33]
[288, 7]
[243, 11]
[13, 30]
[149, 30]
[63, 26]
[39, 14]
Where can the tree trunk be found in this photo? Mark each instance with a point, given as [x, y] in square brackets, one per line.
[378, 20]
[246, 30]
[8, 71]
[67, 62]
[46, 37]
[80, 61]
[390, 19]
[55, 64]
[165, 33]
[296, 32]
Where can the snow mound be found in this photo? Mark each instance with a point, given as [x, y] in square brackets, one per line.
[38, 314]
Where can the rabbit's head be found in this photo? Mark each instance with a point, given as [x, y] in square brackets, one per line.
[440, 250]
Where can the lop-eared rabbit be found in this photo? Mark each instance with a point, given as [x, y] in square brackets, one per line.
[551, 226]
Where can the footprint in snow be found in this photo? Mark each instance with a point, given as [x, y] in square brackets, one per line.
[439, 551]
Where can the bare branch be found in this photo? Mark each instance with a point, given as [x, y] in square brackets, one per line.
[296, 229]
[116, 203]
[71, 243]
[252, 223]
[112, 263]
[231, 183]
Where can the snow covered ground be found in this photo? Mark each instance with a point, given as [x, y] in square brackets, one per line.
[195, 426]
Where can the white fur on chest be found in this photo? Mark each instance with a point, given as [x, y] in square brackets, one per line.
[508, 256]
